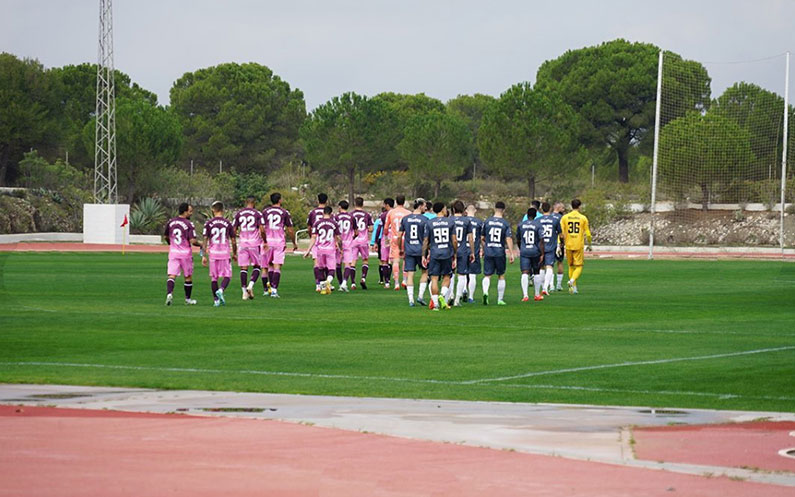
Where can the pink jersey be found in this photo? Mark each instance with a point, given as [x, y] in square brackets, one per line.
[179, 233]
[218, 232]
[363, 222]
[326, 231]
[248, 222]
[315, 214]
[276, 220]
[347, 227]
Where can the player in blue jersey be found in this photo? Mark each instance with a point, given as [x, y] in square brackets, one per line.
[558, 210]
[439, 248]
[464, 254]
[530, 235]
[474, 269]
[551, 226]
[496, 235]
[412, 236]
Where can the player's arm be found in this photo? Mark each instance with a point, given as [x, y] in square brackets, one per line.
[291, 232]
[426, 247]
[339, 242]
[541, 246]
[510, 248]
[233, 239]
[587, 233]
[165, 236]
[471, 240]
[311, 246]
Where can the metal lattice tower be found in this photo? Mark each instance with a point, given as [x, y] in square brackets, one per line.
[105, 187]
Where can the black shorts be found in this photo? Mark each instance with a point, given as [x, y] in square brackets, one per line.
[493, 265]
[462, 264]
[474, 267]
[440, 267]
[531, 264]
[412, 262]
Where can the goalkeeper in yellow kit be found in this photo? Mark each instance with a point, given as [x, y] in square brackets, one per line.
[575, 230]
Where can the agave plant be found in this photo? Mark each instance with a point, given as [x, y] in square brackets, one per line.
[147, 216]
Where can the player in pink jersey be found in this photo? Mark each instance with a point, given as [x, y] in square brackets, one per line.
[361, 244]
[315, 214]
[348, 233]
[250, 229]
[383, 255]
[278, 223]
[392, 232]
[180, 235]
[218, 234]
[326, 239]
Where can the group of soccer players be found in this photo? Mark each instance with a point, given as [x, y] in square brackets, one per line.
[439, 241]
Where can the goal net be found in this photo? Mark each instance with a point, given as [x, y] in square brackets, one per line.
[717, 177]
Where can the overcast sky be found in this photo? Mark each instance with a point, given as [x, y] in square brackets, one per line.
[441, 48]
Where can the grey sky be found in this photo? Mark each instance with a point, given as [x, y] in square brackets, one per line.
[441, 48]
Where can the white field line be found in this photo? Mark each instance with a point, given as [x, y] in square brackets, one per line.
[627, 364]
[646, 392]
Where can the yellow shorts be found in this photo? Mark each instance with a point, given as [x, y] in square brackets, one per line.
[575, 257]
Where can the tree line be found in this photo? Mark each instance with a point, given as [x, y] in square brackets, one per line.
[594, 105]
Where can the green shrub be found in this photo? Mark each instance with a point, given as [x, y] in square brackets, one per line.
[147, 216]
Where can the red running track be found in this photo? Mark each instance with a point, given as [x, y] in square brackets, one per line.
[62, 452]
[741, 445]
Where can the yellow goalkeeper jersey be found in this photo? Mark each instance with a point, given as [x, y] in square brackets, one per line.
[575, 228]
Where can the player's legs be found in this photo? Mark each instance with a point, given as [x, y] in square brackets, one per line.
[410, 265]
[559, 285]
[444, 293]
[538, 278]
[435, 292]
[364, 253]
[500, 270]
[186, 266]
[462, 283]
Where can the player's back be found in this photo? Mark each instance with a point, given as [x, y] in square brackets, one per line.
[476, 228]
[393, 220]
[248, 221]
[314, 215]
[530, 233]
[218, 232]
[575, 226]
[179, 232]
[440, 231]
[551, 227]
[326, 230]
[462, 230]
[276, 219]
[346, 226]
[363, 221]
[495, 231]
[413, 227]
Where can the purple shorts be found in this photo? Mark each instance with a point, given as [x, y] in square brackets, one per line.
[184, 265]
[327, 260]
[220, 268]
[275, 255]
[249, 256]
[385, 249]
[361, 250]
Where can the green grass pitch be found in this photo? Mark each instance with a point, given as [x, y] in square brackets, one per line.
[709, 334]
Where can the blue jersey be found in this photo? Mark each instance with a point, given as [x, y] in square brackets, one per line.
[439, 231]
[462, 230]
[476, 227]
[530, 234]
[496, 231]
[429, 215]
[551, 226]
[413, 229]
[538, 215]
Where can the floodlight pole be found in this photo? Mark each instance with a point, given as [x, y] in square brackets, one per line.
[653, 206]
[784, 151]
[105, 185]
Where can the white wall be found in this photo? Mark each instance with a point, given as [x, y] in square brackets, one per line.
[102, 223]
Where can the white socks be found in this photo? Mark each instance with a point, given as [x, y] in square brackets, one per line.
[537, 282]
[423, 287]
[525, 283]
[435, 300]
[473, 280]
[486, 284]
[500, 290]
[549, 278]
[410, 291]
[560, 280]
[459, 290]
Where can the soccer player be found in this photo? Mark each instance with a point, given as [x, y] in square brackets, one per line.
[250, 229]
[180, 236]
[278, 224]
[412, 235]
[557, 212]
[218, 233]
[349, 231]
[465, 253]
[326, 239]
[535, 204]
[439, 248]
[364, 224]
[474, 269]
[551, 226]
[496, 234]
[375, 243]
[392, 231]
[574, 229]
[389, 204]
[314, 214]
[428, 213]
[530, 234]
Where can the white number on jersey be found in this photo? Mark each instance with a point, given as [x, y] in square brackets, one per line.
[413, 229]
[247, 223]
[176, 236]
[324, 235]
[547, 232]
[274, 220]
[218, 235]
[345, 225]
[495, 235]
[361, 226]
[441, 235]
[529, 237]
[459, 232]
